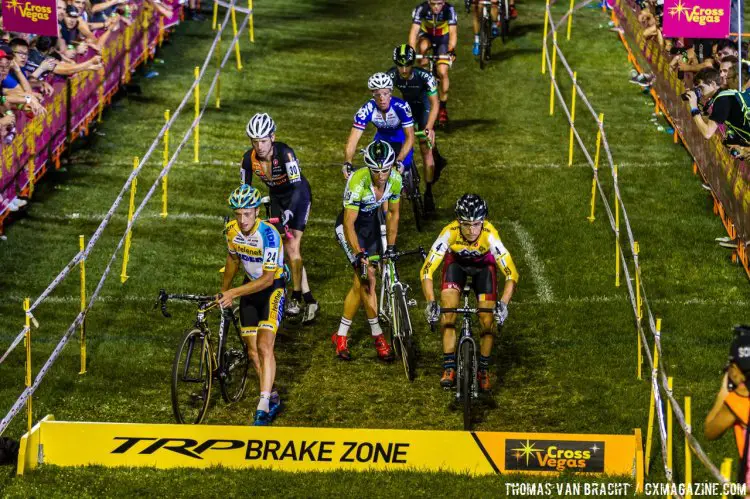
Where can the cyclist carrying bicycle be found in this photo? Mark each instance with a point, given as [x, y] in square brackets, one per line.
[359, 232]
[257, 246]
[393, 119]
[476, 11]
[277, 166]
[435, 26]
[470, 246]
[419, 89]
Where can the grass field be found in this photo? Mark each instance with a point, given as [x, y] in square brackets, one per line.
[567, 359]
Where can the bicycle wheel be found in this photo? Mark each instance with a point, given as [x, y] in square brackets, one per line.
[466, 359]
[416, 199]
[504, 25]
[234, 364]
[405, 337]
[191, 378]
[484, 42]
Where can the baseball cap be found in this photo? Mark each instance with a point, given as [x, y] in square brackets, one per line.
[72, 11]
[5, 51]
[739, 351]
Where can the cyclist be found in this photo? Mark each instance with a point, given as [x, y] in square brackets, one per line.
[470, 246]
[359, 232]
[435, 26]
[419, 90]
[473, 5]
[391, 116]
[277, 166]
[257, 246]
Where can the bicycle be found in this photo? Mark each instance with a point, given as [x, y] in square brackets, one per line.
[193, 367]
[412, 181]
[432, 61]
[504, 18]
[467, 384]
[394, 311]
[485, 33]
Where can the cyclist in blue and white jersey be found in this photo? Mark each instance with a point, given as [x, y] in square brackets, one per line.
[393, 119]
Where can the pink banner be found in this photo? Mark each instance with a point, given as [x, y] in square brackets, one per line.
[696, 18]
[30, 16]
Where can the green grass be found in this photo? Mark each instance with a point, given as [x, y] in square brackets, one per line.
[565, 364]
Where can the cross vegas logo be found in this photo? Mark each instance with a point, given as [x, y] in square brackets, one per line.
[29, 10]
[554, 455]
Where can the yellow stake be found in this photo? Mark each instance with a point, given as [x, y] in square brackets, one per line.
[726, 471]
[27, 344]
[570, 17]
[649, 430]
[165, 162]
[102, 78]
[126, 256]
[596, 170]
[599, 139]
[688, 456]
[237, 44]
[216, 14]
[218, 78]
[669, 430]
[552, 76]
[251, 24]
[544, 38]
[617, 237]
[639, 355]
[82, 246]
[32, 179]
[638, 299]
[572, 119]
[196, 133]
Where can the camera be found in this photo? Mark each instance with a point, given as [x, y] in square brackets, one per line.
[696, 91]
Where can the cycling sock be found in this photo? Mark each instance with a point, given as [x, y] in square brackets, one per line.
[476, 38]
[296, 295]
[375, 327]
[449, 361]
[308, 297]
[344, 326]
[265, 400]
[484, 363]
[443, 104]
[428, 188]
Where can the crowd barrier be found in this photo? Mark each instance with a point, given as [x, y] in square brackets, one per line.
[664, 409]
[87, 302]
[728, 177]
[76, 102]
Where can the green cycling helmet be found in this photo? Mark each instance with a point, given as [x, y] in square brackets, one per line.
[245, 196]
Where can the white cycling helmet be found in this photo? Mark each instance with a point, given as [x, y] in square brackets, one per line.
[380, 80]
[260, 126]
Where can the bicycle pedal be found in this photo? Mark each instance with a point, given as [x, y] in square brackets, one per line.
[411, 303]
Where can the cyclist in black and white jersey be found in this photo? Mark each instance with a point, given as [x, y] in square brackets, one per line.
[419, 89]
[277, 166]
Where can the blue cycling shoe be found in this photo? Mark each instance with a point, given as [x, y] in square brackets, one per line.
[274, 410]
[262, 418]
[475, 49]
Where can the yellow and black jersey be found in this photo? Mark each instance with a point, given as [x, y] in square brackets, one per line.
[434, 24]
[258, 251]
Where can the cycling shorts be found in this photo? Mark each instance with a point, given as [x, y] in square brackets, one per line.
[369, 235]
[408, 160]
[264, 309]
[483, 274]
[281, 203]
[421, 113]
[439, 45]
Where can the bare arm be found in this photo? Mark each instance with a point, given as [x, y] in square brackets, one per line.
[413, 32]
[391, 222]
[230, 270]
[452, 38]
[351, 144]
[349, 232]
[408, 143]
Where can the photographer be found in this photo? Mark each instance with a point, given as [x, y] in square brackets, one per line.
[732, 405]
[726, 107]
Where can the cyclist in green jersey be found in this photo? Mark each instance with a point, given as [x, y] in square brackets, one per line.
[365, 237]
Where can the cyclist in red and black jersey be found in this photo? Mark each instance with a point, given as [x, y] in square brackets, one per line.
[277, 166]
[435, 24]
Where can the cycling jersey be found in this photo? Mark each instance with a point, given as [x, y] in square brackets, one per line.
[260, 251]
[487, 249]
[359, 194]
[414, 90]
[432, 24]
[390, 124]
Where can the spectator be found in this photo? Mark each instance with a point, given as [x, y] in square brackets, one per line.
[728, 73]
[27, 101]
[697, 57]
[726, 107]
[732, 405]
[75, 35]
[193, 12]
[726, 48]
[20, 49]
[650, 26]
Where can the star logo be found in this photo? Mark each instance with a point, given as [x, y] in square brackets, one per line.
[13, 5]
[526, 450]
[678, 9]
[594, 448]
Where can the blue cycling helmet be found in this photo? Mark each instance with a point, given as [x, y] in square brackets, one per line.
[245, 196]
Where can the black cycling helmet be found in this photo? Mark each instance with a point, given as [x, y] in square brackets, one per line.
[471, 208]
[404, 55]
[379, 156]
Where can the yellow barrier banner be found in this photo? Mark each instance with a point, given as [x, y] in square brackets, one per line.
[323, 449]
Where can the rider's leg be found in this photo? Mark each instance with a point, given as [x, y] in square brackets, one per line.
[351, 304]
[369, 298]
[475, 20]
[250, 338]
[266, 339]
[494, 11]
[442, 70]
[293, 253]
[487, 324]
[423, 45]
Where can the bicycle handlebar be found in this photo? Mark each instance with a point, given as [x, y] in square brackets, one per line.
[433, 57]
[466, 310]
[205, 299]
[418, 251]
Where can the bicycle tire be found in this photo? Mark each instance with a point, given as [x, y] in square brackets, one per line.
[416, 199]
[466, 359]
[484, 42]
[504, 28]
[234, 363]
[180, 404]
[405, 336]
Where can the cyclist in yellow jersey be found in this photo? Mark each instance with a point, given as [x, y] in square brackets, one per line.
[468, 246]
[256, 246]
